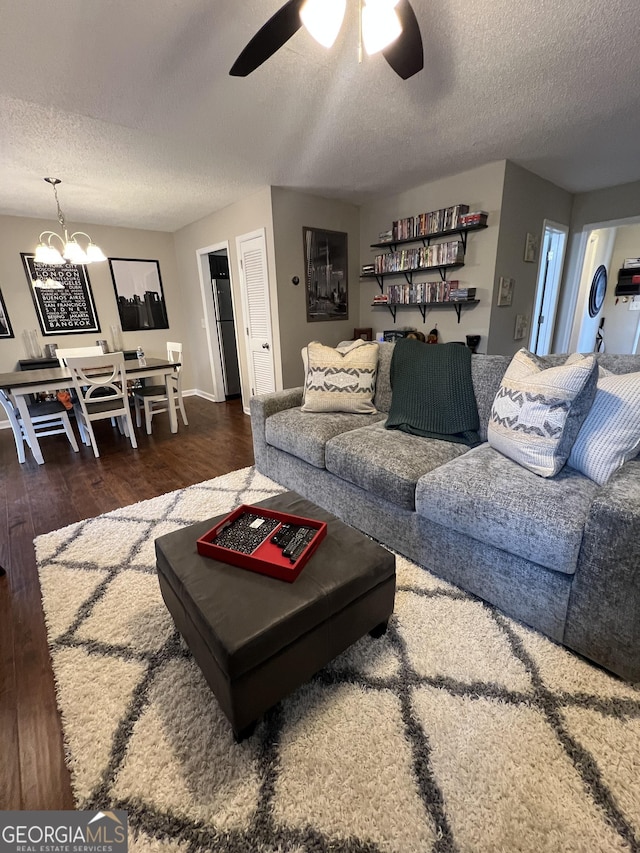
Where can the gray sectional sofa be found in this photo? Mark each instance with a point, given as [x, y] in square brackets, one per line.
[560, 554]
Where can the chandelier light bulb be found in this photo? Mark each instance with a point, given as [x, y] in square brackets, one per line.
[380, 25]
[95, 253]
[74, 253]
[48, 254]
[323, 19]
[42, 253]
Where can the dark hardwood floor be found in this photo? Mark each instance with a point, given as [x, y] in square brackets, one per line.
[69, 487]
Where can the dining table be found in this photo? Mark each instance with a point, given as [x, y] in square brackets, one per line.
[23, 383]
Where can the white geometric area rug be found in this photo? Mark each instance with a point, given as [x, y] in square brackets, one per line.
[458, 731]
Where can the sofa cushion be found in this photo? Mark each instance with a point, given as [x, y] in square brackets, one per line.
[305, 435]
[610, 434]
[538, 412]
[491, 498]
[341, 380]
[387, 464]
[382, 399]
[487, 372]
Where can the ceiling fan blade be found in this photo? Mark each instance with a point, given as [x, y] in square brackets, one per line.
[270, 38]
[405, 54]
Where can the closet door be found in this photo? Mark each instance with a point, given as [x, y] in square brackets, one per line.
[252, 254]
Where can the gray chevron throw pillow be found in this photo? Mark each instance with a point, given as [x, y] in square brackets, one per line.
[341, 380]
[537, 412]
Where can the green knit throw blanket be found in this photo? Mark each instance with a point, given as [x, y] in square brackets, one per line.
[432, 392]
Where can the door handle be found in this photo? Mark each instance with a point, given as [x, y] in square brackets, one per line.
[265, 346]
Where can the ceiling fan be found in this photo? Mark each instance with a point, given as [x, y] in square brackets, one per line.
[387, 25]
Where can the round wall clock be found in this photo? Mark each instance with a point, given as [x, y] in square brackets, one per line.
[598, 290]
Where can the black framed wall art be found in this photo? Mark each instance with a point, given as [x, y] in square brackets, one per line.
[326, 274]
[5, 324]
[66, 310]
[139, 294]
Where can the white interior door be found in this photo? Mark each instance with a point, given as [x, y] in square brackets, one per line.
[252, 257]
[548, 287]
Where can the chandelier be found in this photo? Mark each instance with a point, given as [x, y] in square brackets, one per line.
[70, 250]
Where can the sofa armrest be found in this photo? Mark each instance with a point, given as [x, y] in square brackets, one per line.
[603, 619]
[261, 407]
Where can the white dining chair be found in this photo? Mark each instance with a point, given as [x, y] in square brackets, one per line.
[153, 398]
[100, 383]
[74, 352]
[47, 418]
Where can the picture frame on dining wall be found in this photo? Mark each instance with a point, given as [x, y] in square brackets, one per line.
[6, 331]
[139, 294]
[62, 297]
[326, 266]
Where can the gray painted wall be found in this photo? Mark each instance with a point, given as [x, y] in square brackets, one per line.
[526, 202]
[291, 212]
[244, 217]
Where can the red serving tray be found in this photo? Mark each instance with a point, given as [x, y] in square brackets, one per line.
[267, 559]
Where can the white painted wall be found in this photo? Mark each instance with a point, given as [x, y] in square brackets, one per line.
[621, 324]
[597, 252]
[610, 207]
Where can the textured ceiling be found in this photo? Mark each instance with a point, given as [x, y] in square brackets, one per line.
[131, 105]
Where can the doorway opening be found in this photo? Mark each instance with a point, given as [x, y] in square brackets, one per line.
[225, 322]
[554, 242]
[219, 321]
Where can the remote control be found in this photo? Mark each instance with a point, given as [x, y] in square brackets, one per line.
[306, 538]
[282, 537]
[296, 541]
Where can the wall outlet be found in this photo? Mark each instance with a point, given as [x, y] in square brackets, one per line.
[634, 304]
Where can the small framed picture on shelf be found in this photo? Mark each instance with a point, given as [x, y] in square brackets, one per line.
[363, 334]
[505, 291]
[531, 248]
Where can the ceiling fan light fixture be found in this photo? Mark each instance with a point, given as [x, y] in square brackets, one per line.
[323, 19]
[380, 25]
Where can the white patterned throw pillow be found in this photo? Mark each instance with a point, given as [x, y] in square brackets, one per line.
[538, 411]
[610, 434]
[340, 380]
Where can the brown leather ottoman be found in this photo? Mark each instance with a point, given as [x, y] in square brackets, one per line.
[256, 638]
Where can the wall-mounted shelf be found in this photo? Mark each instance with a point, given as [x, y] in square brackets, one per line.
[426, 239]
[423, 307]
[408, 274]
